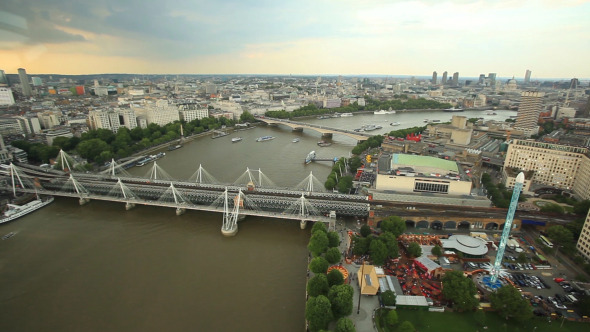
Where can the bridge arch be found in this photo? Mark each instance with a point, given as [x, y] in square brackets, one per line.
[491, 226]
[501, 226]
[437, 224]
[422, 224]
[410, 224]
[464, 225]
[450, 224]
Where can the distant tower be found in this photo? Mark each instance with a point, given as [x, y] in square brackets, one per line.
[24, 82]
[3, 78]
[456, 79]
[527, 77]
[37, 81]
[492, 78]
[444, 79]
[482, 79]
[527, 119]
[507, 226]
[434, 80]
[574, 82]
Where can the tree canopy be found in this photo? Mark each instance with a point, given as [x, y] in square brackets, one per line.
[318, 285]
[341, 298]
[388, 297]
[333, 239]
[333, 255]
[365, 230]
[318, 312]
[460, 290]
[437, 251]
[394, 225]
[318, 226]
[335, 277]
[406, 326]
[378, 252]
[391, 318]
[318, 265]
[509, 303]
[318, 243]
[414, 249]
[391, 243]
[344, 325]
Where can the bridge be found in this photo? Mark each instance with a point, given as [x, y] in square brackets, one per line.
[252, 194]
[325, 131]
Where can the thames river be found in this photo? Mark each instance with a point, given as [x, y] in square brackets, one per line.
[100, 268]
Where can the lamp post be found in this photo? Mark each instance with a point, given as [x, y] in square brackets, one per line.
[358, 310]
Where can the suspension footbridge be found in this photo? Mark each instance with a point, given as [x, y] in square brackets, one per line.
[252, 194]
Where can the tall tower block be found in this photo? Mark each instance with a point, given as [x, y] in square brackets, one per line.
[24, 82]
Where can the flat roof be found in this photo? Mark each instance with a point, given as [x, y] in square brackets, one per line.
[465, 244]
[423, 161]
[418, 301]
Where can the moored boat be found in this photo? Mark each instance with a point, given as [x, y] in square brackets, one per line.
[382, 112]
[17, 211]
[324, 143]
[394, 124]
[310, 157]
[295, 140]
[346, 114]
[236, 139]
[452, 109]
[174, 147]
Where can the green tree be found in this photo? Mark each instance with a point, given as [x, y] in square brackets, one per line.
[521, 258]
[552, 208]
[365, 230]
[581, 207]
[560, 234]
[460, 290]
[414, 249]
[388, 297]
[391, 318]
[378, 252]
[92, 148]
[333, 239]
[318, 312]
[509, 303]
[361, 245]
[330, 183]
[345, 325]
[319, 226]
[341, 299]
[335, 277]
[480, 317]
[318, 243]
[247, 117]
[318, 285]
[318, 265]
[406, 326]
[391, 243]
[333, 255]
[437, 251]
[345, 184]
[393, 224]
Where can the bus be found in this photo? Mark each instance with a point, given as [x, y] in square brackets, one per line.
[546, 241]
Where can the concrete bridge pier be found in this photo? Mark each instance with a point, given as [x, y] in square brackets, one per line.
[129, 206]
[83, 200]
[230, 232]
[303, 224]
[180, 211]
[298, 129]
[327, 135]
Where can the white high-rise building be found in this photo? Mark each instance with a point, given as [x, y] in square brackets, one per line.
[162, 113]
[189, 113]
[49, 119]
[584, 239]
[112, 119]
[6, 97]
[527, 119]
[24, 82]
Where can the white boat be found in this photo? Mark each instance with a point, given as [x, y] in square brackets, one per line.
[346, 114]
[264, 138]
[295, 140]
[382, 112]
[371, 127]
[17, 211]
[395, 124]
[310, 157]
[236, 139]
[491, 113]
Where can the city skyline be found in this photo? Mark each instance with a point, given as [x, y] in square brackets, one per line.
[315, 38]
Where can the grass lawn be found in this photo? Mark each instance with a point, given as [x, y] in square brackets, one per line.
[425, 321]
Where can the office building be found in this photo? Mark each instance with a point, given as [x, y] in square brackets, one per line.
[556, 165]
[112, 119]
[531, 104]
[456, 79]
[49, 119]
[492, 79]
[190, 112]
[482, 79]
[24, 83]
[3, 78]
[583, 244]
[444, 79]
[527, 77]
[6, 97]
[37, 81]
[434, 80]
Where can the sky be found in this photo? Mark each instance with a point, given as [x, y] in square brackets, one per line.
[299, 37]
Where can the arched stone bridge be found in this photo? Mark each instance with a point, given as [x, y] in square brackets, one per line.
[325, 131]
[454, 223]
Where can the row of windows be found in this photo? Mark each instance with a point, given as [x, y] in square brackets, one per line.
[431, 187]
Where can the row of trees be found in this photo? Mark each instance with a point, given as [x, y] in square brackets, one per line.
[329, 297]
[102, 145]
[500, 196]
[337, 177]
[370, 105]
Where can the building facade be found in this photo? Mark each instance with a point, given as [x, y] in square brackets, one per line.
[583, 244]
[555, 165]
[112, 119]
[531, 105]
[6, 97]
[24, 82]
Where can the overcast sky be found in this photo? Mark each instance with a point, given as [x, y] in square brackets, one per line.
[347, 37]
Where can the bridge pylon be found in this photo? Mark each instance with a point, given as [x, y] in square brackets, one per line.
[17, 180]
[178, 198]
[121, 190]
[79, 189]
[230, 217]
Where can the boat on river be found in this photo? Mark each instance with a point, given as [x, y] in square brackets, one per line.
[17, 211]
[452, 109]
[382, 112]
[295, 140]
[174, 147]
[236, 139]
[371, 127]
[346, 115]
[264, 138]
[324, 143]
[310, 157]
[395, 124]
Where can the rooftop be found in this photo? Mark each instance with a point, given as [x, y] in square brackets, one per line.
[401, 160]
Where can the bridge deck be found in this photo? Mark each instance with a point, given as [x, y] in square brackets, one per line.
[322, 129]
